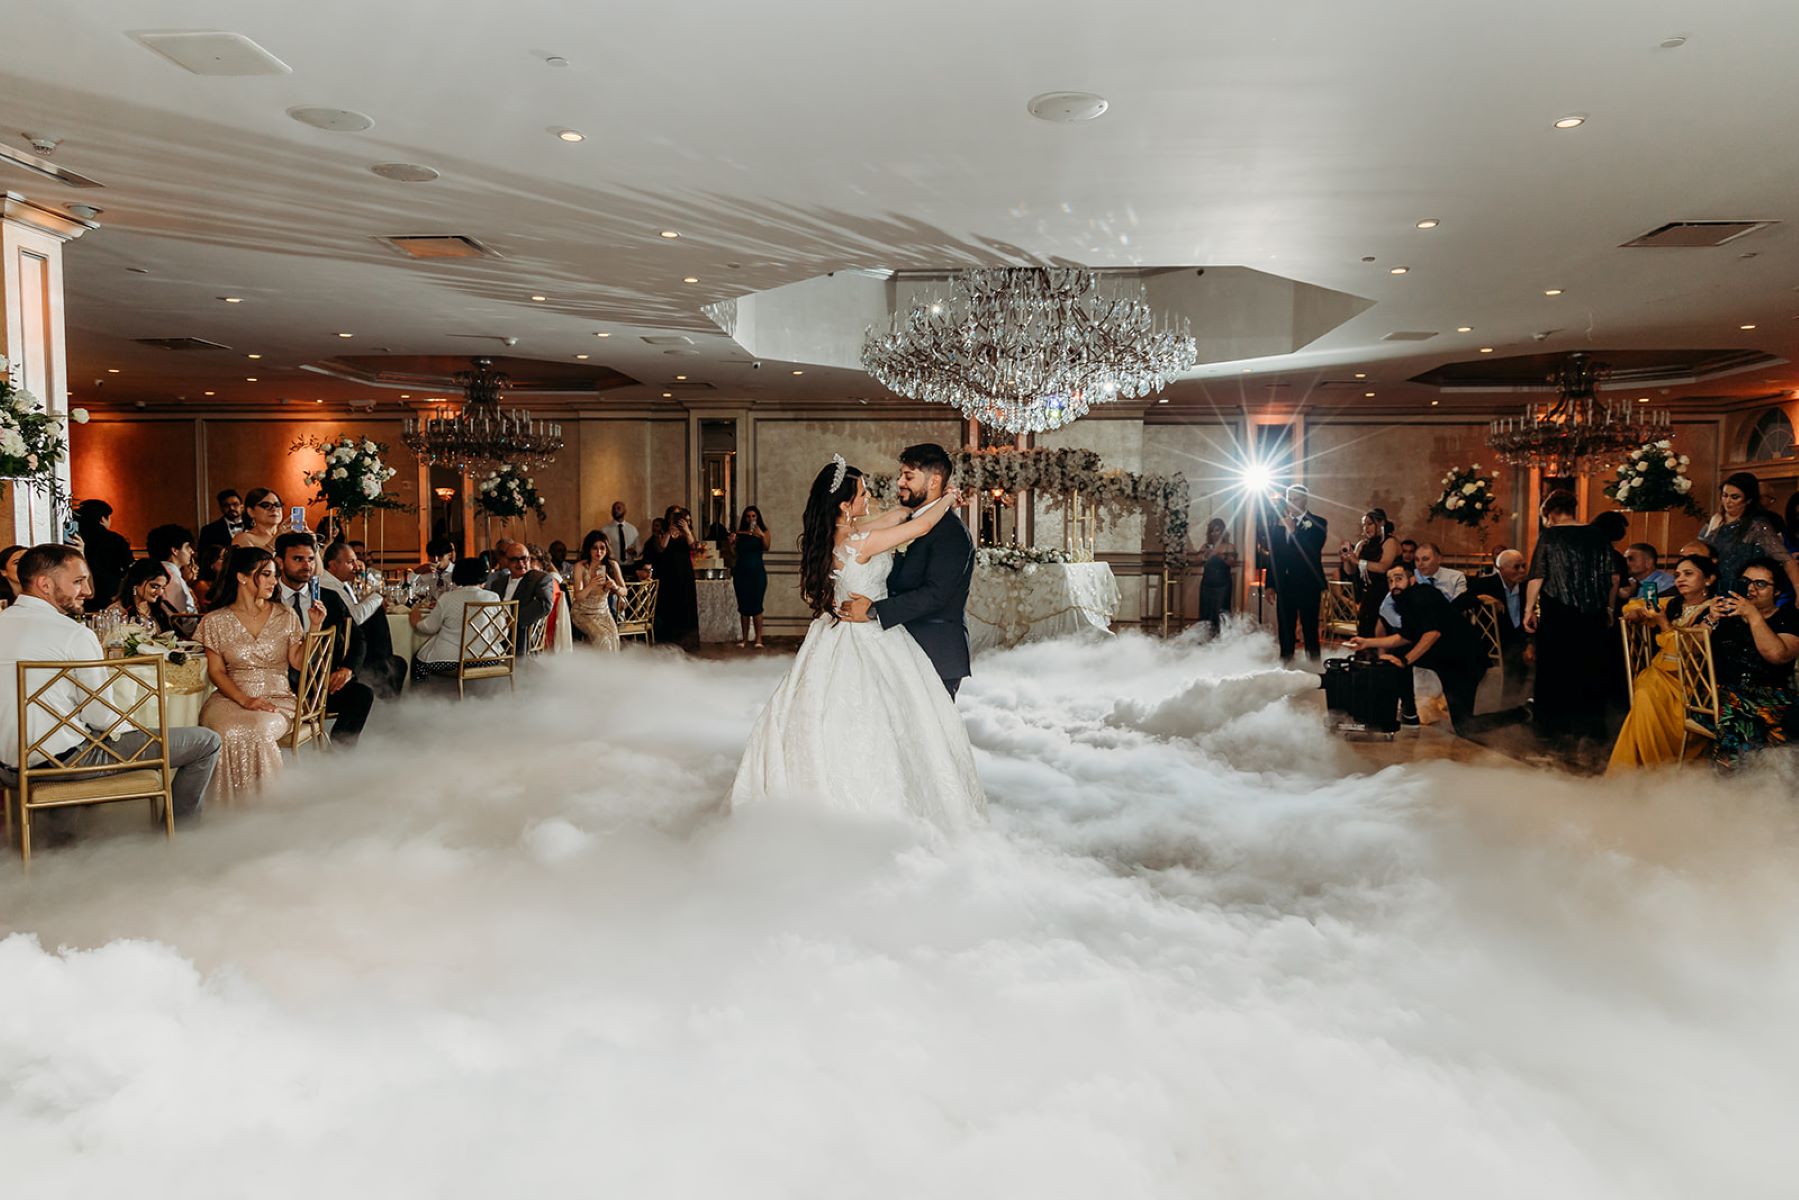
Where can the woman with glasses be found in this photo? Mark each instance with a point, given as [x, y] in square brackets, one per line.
[1656, 723]
[264, 507]
[1742, 529]
[1754, 645]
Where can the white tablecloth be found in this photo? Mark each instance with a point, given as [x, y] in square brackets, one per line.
[718, 610]
[1040, 600]
[406, 641]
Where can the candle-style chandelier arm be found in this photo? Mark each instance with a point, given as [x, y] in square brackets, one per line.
[483, 435]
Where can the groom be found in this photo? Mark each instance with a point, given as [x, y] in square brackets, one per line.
[928, 588]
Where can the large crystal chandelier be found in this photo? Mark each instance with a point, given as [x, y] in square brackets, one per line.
[483, 434]
[1575, 431]
[1028, 348]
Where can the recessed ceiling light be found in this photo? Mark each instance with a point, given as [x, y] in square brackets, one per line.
[1361, 374]
[252, 356]
[602, 335]
[1163, 400]
[680, 378]
[571, 135]
[1570, 122]
[1429, 223]
[1367, 395]
[1433, 403]
[346, 335]
[668, 395]
[405, 395]
[1745, 327]
[1486, 349]
[670, 234]
[318, 401]
[112, 370]
[799, 372]
[581, 356]
[1464, 329]
[210, 393]
[691, 279]
[1642, 399]
[249, 379]
[540, 299]
[232, 299]
[1399, 270]
[1552, 291]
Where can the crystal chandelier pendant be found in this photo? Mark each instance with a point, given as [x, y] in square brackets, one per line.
[1576, 432]
[1028, 349]
[483, 435]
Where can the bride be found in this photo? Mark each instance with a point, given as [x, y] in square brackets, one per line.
[861, 722]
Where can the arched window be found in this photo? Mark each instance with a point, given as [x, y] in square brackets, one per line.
[1770, 437]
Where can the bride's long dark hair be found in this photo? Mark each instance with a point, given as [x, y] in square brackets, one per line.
[818, 539]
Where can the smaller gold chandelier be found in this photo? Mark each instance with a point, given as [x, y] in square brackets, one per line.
[483, 435]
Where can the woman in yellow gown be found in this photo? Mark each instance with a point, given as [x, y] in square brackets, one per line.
[1652, 730]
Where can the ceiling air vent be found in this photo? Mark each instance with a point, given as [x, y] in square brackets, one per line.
[181, 343]
[1689, 234]
[1410, 335]
[213, 52]
[437, 245]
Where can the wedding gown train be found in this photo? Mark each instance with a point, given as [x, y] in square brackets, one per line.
[862, 723]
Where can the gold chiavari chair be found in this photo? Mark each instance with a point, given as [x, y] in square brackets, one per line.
[1337, 610]
[489, 648]
[1639, 651]
[537, 638]
[1698, 683]
[313, 695]
[637, 612]
[100, 713]
[1483, 613]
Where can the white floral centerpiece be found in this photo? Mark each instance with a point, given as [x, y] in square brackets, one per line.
[1468, 497]
[1018, 558]
[186, 663]
[353, 479]
[509, 492]
[1654, 479]
[32, 440]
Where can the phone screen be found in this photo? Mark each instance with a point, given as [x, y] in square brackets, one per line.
[297, 517]
[312, 589]
[71, 529]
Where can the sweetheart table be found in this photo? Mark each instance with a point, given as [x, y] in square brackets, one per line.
[1007, 606]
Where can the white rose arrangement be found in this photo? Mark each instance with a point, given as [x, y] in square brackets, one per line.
[1468, 497]
[353, 478]
[33, 441]
[1654, 479]
[509, 492]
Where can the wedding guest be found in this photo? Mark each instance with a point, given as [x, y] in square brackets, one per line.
[107, 553]
[1699, 548]
[534, 590]
[1568, 607]
[1754, 644]
[173, 547]
[206, 573]
[329, 529]
[1506, 584]
[556, 624]
[9, 573]
[1742, 529]
[432, 578]
[232, 521]
[1654, 726]
[621, 535]
[349, 701]
[678, 599]
[44, 625]
[1792, 524]
[749, 577]
[1432, 635]
[141, 597]
[440, 620]
[1365, 566]
[1218, 558]
[1428, 568]
[559, 560]
[381, 669]
[252, 643]
[1614, 526]
[266, 521]
[597, 580]
[1642, 573]
[1408, 553]
[1295, 544]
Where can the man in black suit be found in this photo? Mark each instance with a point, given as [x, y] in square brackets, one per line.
[381, 668]
[535, 591]
[1506, 585]
[232, 521]
[1296, 545]
[297, 555]
[927, 591]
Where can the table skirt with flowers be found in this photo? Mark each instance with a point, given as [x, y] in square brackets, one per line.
[1008, 605]
[718, 610]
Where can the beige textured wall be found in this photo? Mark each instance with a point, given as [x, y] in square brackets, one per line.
[1354, 467]
[640, 461]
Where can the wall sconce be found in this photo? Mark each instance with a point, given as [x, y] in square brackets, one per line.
[445, 494]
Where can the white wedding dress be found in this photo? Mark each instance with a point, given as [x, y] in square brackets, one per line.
[861, 723]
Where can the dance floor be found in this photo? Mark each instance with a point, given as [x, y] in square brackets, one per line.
[512, 948]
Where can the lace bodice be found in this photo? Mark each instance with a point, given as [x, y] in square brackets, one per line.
[854, 578]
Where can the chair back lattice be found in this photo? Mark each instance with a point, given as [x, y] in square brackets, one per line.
[1698, 682]
[489, 642]
[1639, 651]
[1337, 609]
[637, 612]
[1484, 615]
[537, 637]
[314, 692]
[98, 702]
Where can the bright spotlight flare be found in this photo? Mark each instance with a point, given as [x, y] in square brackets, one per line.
[1256, 478]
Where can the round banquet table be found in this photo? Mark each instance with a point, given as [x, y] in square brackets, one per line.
[1039, 600]
[405, 640]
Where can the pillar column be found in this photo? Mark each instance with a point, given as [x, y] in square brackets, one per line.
[32, 338]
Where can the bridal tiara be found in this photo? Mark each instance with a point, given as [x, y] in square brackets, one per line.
[839, 473]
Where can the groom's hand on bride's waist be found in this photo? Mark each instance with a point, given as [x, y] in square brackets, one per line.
[855, 608]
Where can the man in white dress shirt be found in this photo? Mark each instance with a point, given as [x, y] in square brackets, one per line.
[381, 669]
[44, 625]
[621, 535]
[173, 547]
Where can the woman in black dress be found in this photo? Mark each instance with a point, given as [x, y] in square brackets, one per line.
[1218, 556]
[678, 599]
[1366, 568]
[750, 576]
[1568, 607]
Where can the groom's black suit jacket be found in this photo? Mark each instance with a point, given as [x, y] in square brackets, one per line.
[927, 592]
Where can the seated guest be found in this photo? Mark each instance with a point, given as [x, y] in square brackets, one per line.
[350, 701]
[516, 579]
[44, 625]
[107, 553]
[1408, 553]
[9, 573]
[440, 620]
[252, 643]
[1432, 635]
[1506, 585]
[1698, 547]
[232, 521]
[1754, 644]
[381, 668]
[267, 520]
[173, 547]
[432, 577]
[1641, 573]
[558, 618]
[1653, 728]
[559, 560]
[206, 573]
[140, 599]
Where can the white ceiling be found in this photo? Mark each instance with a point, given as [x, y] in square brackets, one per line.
[787, 138]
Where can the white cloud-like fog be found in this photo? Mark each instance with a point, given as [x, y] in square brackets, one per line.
[510, 949]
